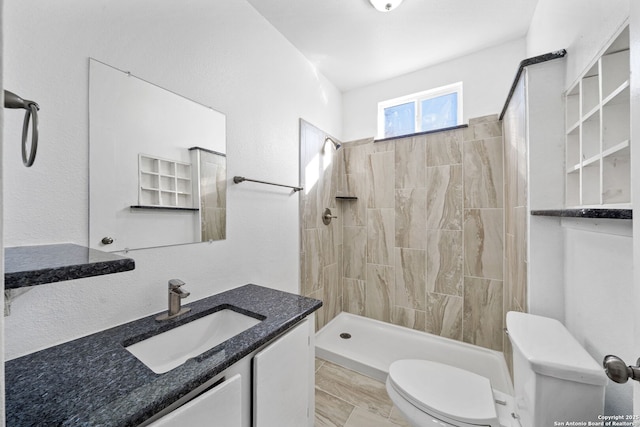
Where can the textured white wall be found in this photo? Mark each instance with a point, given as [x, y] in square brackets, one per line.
[2, 399]
[582, 27]
[487, 76]
[598, 278]
[222, 54]
[634, 33]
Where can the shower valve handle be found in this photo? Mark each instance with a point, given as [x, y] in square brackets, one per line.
[327, 216]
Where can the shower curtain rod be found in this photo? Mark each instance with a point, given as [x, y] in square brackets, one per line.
[239, 179]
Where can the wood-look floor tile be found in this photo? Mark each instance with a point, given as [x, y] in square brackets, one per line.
[363, 418]
[354, 388]
[331, 411]
[397, 419]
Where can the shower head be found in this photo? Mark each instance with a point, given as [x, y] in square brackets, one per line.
[336, 145]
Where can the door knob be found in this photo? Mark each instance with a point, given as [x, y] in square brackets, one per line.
[618, 371]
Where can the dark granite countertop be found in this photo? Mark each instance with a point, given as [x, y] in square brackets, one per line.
[95, 381]
[36, 265]
[586, 213]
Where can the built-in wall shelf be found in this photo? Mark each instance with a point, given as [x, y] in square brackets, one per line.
[598, 137]
[346, 198]
[168, 208]
[36, 265]
[586, 213]
[164, 182]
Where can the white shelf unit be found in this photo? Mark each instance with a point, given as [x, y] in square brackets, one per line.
[164, 183]
[598, 144]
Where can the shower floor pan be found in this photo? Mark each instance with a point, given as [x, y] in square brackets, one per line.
[370, 347]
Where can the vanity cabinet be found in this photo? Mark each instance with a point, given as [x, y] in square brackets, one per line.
[223, 403]
[272, 387]
[284, 380]
[598, 143]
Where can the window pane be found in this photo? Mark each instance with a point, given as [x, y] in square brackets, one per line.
[440, 112]
[399, 119]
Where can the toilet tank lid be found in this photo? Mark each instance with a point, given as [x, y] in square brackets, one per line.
[551, 349]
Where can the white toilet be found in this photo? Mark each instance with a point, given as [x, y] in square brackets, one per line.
[555, 380]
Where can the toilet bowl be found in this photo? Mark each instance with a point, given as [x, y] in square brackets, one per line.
[554, 378]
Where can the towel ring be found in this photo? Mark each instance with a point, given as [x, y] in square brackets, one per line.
[11, 100]
[32, 111]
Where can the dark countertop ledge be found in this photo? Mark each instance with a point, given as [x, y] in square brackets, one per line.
[37, 265]
[586, 213]
[95, 381]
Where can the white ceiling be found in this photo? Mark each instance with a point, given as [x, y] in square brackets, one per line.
[354, 45]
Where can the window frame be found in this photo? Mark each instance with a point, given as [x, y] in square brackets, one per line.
[417, 99]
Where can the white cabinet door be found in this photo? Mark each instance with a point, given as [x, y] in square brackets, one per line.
[282, 381]
[220, 406]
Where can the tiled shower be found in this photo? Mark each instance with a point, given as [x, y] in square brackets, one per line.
[422, 245]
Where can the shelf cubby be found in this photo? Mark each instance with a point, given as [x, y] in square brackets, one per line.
[164, 183]
[598, 139]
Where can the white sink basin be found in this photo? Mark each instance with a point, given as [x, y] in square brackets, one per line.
[170, 349]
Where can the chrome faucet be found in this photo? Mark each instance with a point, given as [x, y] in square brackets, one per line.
[176, 293]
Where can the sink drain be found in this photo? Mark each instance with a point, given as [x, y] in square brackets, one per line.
[345, 336]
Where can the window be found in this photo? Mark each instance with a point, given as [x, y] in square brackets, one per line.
[420, 112]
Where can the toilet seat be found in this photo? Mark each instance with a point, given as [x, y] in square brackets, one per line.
[448, 393]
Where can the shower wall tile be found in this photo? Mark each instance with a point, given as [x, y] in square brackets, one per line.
[482, 128]
[410, 162]
[354, 298]
[515, 170]
[444, 198]
[444, 315]
[310, 208]
[380, 176]
[444, 148]
[389, 145]
[483, 314]
[378, 293]
[332, 291]
[355, 158]
[520, 243]
[445, 262]
[355, 212]
[409, 318]
[483, 185]
[328, 243]
[483, 240]
[312, 263]
[410, 284]
[510, 272]
[483, 119]
[355, 252]
[320, 318]
[380, 236]
[214, 222]
[411, 217]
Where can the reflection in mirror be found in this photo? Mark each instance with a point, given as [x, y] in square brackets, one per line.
[157, 165]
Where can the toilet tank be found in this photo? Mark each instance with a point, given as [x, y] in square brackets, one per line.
[555, 379]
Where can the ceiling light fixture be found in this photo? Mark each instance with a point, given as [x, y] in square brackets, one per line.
[385, 5]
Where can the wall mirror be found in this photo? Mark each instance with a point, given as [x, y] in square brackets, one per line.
[157, 165]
